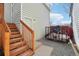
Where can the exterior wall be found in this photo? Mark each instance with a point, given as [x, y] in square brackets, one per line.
[16, 14]
[7, 12]
[39, 18]
[13, 13]
[75, 15]
[38, 14]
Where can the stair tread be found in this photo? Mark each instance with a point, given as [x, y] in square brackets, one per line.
[16, 45]
[11, 23]
[18, 50]
[14, 30]
[17, 32]
[15, 36]
[12, 27]
[15, 40]
[28, 52]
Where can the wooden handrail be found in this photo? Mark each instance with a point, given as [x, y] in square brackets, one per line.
[32, 32]
[27, 26]
[6, 28]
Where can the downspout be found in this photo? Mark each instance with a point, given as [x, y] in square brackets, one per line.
[48, 8]
[11, 12]
[70, 14]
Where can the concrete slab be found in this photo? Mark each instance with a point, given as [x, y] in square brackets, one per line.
[43, 51]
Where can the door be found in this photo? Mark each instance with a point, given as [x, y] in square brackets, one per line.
[1, 12]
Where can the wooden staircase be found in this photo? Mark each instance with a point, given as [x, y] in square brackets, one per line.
[18, 46]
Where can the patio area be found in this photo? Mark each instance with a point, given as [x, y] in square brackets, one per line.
[52, 48]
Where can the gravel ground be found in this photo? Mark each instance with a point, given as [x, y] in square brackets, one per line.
[59, 49]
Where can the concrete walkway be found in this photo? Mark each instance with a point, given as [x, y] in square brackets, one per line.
[43, 51]
[51, 48]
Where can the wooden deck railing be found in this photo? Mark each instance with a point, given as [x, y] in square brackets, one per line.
[57, 33]
[6, 39]
[28, 34]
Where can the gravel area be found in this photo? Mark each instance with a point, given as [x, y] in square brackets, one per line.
[59, 49]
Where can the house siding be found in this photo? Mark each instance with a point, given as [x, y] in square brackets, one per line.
[39, 18]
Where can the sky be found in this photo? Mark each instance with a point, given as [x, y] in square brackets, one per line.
[59, 13]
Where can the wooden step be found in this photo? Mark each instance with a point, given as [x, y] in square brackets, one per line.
[16, 45]
[13, 27]
[11, 23]
[18, 50]
[15, 36]
[15, 40]
[13, 33]
[28, 52]
[14, 30]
